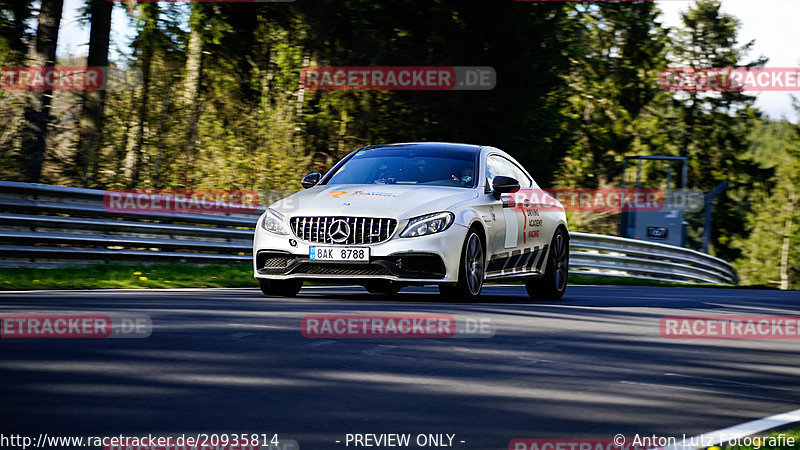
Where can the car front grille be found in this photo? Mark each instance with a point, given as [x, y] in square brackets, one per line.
[276, 263]
[273, 262]
[343, 230]
[340, 269]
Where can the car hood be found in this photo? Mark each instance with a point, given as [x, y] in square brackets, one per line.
[372, 200]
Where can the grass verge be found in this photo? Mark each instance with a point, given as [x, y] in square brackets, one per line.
[109, 276]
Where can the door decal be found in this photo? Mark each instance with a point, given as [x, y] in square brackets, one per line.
[512, 227]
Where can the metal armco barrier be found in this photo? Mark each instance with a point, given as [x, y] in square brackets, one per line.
[594, 254]
[43, 225]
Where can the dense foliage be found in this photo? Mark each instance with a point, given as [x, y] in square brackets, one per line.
[220, 104]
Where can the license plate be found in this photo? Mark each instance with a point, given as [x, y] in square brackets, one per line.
[339, 253]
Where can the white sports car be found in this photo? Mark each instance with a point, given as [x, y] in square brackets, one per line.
[388, 216]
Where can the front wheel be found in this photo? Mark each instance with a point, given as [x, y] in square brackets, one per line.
[471, 270]
[280, 288]
[554, 282]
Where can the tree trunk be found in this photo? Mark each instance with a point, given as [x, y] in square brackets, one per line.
[191, 94]
[787, 232]
[194, 61]
[37, 111]
[93, 102]
[150, 13]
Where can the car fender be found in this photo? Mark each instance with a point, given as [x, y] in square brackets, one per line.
[466, 217]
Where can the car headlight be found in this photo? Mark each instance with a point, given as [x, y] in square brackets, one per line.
[273, 222]
[428, 224]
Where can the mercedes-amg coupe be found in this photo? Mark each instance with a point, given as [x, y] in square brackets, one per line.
[394, 215]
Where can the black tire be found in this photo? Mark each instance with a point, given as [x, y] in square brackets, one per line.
[471, 270]
[554, 282]
[280, 288]
[383, 288]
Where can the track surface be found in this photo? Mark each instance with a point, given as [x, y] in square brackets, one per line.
[230, 360]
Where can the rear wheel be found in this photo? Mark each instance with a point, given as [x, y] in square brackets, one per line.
[554, 282]
[280, 288]
[471, 270]
[383, 288]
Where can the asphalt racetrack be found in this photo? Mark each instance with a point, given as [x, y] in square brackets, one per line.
[231, 360]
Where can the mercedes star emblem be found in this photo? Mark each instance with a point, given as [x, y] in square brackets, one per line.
[339, 231]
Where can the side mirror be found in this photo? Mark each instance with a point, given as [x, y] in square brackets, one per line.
[311, 180]
[504, 185]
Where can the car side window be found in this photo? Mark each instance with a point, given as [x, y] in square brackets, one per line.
[493, 169]
[497, 165]
[524, 180]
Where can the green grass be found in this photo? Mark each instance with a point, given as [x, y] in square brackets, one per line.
[107, 276]
[765, 444]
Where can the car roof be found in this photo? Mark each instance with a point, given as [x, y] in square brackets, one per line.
[427, 146]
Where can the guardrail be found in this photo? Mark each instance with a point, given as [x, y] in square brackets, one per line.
[593, 254]
[43, 225]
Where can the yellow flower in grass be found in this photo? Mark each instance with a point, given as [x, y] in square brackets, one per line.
[137, 273]
[143, 278]
[167, 281]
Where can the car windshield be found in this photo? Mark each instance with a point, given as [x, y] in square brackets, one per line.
[430, 167]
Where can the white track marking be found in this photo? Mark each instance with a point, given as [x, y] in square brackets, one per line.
[739, 431]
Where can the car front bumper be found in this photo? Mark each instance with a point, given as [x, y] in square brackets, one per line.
[430, 259]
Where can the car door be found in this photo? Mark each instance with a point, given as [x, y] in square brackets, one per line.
[518, 234]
